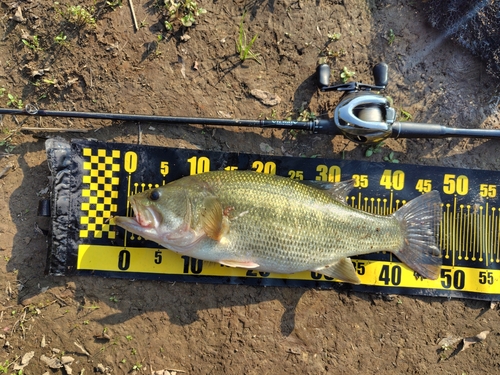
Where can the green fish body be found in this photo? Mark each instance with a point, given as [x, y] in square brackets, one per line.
[276, 224]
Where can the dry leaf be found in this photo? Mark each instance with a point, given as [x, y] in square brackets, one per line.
[18, 16]
[82, 348]
[468, 341]
[24, 361]
[264, 147]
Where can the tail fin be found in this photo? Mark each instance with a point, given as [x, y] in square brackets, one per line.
[419, 219]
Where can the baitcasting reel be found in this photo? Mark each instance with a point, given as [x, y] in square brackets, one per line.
[362, 115]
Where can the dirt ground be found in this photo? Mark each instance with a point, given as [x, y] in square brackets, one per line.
[120, 326]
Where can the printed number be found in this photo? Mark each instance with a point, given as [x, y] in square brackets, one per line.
[198, 165]
[123, 260]
[486, 277]
[158, 257]
[360, 267]
[268, 167]
[130, 162]
[192, 264]
[318, 276]
[164, 168]
[424, 186]
[297, 175]
[390, 275]
[453, 184]
[255, 274]
[452, 278]
[489, 191]
[331, 174]
[360, 180]
[393, 180]
[231, 168]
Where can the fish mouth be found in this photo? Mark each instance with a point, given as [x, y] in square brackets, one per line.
[146, 217]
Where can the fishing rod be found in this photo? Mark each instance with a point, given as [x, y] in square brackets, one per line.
[363, 115]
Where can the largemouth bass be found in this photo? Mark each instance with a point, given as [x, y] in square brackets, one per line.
[276, 224]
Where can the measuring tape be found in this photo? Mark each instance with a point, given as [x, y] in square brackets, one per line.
[101, 176]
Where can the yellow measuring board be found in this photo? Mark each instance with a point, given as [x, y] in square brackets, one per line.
[103, 175]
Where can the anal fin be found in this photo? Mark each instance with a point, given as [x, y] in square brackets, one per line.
[342, 270]
[240, 264]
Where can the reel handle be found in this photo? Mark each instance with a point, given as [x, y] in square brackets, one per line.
[323, 71]
[380, 74]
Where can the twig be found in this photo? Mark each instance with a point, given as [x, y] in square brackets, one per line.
[60, 130]
[133, 14]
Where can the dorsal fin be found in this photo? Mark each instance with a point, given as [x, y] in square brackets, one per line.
[337, 190]
[213, 221]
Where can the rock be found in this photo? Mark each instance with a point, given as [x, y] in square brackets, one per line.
[53, 363]
[265, 97]
[67, 360]
[100, 368]
[69, 370]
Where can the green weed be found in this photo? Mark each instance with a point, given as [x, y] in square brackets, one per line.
[406, 115]
[136, 367]
[185, 11]
[77, 15]
[346, 74]
[306, 115]
[391, 37]
[334, 36]
[61, 39]
[390, 158]
[374, 149]
[114, 4]
[4, 367]
[14, 101]
[34, 45]
[243, 48]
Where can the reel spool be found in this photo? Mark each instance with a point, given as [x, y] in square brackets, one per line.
[365, 117]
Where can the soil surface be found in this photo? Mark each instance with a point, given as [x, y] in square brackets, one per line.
[117, 326]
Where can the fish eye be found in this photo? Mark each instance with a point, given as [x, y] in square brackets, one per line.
[154, 195]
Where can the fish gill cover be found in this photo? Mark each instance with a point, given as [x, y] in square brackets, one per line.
[473, 24]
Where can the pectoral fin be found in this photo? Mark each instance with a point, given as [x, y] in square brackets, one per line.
[240, 264]
[342, 270]
[213, 221]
